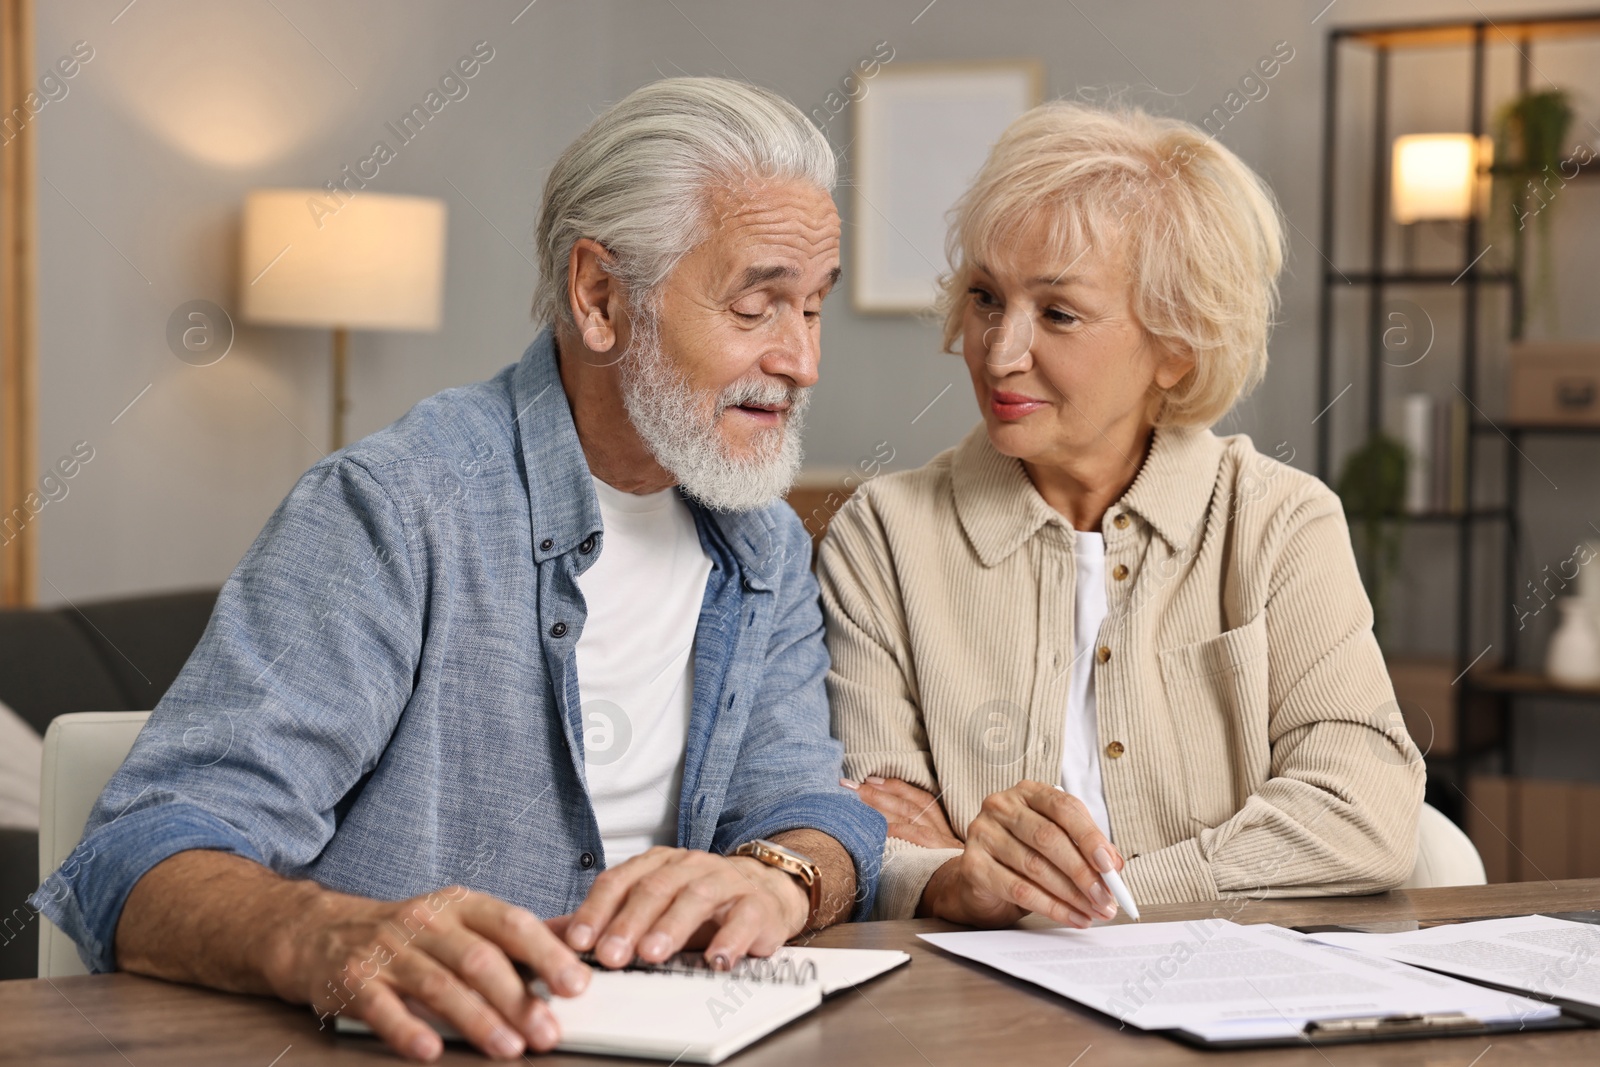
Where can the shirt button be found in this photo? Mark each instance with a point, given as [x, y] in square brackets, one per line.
[1102, 654]
[588, 545]
[1120, 522]
[586, 860]
[558, 630]
[1115, 750]
[1119, 572]
[546, 545]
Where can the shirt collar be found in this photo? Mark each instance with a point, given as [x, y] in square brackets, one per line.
[561, 498]
[1000, 509]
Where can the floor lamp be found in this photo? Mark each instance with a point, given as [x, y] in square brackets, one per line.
[353, 262]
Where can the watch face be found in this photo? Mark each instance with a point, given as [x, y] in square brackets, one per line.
[784, 851]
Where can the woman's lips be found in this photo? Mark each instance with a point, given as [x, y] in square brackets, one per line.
[1009, 407]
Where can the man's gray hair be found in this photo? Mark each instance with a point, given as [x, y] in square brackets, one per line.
[638, 179]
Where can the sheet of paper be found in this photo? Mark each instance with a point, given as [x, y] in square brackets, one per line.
[1199, 974]
[1554, 957]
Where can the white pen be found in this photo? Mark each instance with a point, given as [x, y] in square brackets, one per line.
[1113, 882]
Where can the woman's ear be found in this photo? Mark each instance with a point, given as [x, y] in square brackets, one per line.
[1173, 365]
[594, 294]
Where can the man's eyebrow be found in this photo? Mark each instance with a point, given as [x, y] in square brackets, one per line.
[754, 277]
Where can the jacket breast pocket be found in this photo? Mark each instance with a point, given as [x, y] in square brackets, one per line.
[1216, 692]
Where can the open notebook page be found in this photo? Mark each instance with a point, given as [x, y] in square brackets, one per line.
[696, 1017]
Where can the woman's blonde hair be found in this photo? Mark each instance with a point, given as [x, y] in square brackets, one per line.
[1198, 231]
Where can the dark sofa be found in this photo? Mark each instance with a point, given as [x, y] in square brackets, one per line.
[112, 655]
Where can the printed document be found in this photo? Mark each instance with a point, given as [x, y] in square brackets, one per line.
[1221, 980]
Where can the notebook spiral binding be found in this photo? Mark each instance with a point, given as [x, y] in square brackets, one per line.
[782, 968]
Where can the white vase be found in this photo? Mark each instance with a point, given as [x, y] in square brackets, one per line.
[1573, 656]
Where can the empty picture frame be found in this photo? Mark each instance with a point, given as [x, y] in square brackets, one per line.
[922, 132]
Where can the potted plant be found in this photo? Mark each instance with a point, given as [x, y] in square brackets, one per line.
[1372, 485]
[1530, 134]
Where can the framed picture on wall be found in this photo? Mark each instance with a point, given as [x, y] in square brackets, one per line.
[922, 131]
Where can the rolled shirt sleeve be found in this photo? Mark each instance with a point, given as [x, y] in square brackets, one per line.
[288, 700]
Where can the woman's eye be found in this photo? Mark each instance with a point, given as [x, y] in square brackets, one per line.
[1059, 317]
[981, 296]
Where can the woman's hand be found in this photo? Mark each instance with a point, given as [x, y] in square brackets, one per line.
[1031, 848]
[914, 814]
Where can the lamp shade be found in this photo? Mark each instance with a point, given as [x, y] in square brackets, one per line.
[1439, 176]
[372, 262]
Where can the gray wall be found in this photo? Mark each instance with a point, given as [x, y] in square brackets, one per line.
[188, 104]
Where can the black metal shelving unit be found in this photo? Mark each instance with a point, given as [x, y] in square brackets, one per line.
[1498, 686]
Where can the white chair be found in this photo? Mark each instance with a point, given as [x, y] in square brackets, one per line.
[1445, 855]
[81, 753]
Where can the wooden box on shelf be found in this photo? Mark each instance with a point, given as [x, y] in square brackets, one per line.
[1555, 383]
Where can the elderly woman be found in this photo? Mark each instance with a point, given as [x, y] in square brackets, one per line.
[1094, 635]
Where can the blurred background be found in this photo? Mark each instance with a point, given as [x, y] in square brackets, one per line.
[1432, 358]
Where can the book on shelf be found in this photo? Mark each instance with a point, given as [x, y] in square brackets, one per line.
[1434, 433]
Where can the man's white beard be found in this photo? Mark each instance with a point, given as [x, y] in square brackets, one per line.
[672, 418]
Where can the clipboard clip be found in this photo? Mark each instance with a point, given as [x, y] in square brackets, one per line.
[1380, 1025]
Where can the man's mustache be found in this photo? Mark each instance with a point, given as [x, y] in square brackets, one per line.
[764, 393]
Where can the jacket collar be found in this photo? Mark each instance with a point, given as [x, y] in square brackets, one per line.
[1000, 509]
[561, 498]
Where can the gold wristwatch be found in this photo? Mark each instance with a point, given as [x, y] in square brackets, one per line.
[801, 866]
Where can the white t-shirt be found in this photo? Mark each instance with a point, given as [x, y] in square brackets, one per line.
[636, 665]
[1080, 750]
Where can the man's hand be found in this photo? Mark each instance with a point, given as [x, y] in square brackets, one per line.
[914, 815]
[450, 951]
[656, 903]
[215, 919]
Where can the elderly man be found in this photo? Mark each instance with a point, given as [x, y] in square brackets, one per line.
[552, 637]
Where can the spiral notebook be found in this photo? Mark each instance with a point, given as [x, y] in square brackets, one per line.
[684, 1011]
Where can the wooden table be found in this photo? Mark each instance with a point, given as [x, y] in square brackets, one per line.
[938, 1010]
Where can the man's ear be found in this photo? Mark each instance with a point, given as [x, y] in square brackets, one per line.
[594, 294]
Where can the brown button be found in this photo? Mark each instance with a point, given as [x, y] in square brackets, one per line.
[1119, 572]
[1121, 521]
[1115, 750]
[1103, 654]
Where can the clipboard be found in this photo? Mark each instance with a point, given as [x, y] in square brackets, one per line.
[1379, 1028]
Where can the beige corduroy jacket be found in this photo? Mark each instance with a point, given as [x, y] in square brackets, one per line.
[1249, 738]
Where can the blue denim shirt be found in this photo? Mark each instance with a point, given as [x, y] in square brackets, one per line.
[386, 697]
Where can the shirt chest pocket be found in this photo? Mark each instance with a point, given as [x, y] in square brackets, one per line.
[1216, 692]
